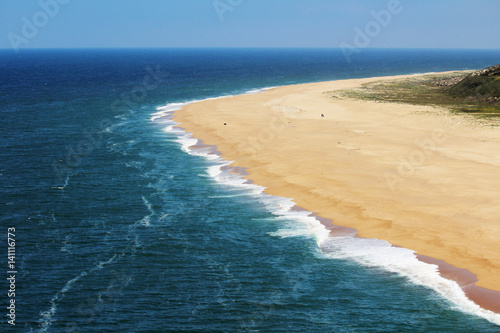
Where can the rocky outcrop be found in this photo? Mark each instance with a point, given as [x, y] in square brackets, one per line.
[490, 71]
[483, 85]
[448, 82]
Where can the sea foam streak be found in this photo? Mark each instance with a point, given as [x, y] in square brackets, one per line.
[367, 252]
[47, 317]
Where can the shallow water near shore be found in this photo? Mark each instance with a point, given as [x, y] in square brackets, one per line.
[136, 232]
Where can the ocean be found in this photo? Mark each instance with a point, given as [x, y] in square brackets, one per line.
[117, 225]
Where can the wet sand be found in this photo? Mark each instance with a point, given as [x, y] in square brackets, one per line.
[418, 177]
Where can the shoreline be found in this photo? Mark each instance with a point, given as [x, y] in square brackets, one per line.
[485, 297]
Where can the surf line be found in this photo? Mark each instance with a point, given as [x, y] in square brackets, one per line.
[478, 301]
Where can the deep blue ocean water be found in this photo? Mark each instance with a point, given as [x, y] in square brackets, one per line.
[120, 229]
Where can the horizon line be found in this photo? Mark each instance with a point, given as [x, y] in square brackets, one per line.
[243, 47]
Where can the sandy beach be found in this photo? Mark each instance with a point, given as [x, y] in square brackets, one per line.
[418, 177]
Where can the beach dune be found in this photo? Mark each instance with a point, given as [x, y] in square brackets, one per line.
[418, 177]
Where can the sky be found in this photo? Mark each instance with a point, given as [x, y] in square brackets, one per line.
[249, 23]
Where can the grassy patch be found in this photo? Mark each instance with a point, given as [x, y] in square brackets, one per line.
[425, 90]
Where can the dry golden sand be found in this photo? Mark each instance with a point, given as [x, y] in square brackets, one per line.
[418, 177]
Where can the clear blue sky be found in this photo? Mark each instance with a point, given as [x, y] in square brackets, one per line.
[248, 23]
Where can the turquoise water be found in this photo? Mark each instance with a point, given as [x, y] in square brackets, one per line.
[121, 227]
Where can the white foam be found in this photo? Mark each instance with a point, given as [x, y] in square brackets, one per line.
[167, 110]
[66, 245]
[229, 196]
[379, 253]
[66, 181]
[217, 172]
[187, 141]
[146, 220]
[257, 91]
[307, 225]
[423, 73]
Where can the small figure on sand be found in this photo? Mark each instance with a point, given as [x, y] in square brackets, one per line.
[322, 116]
